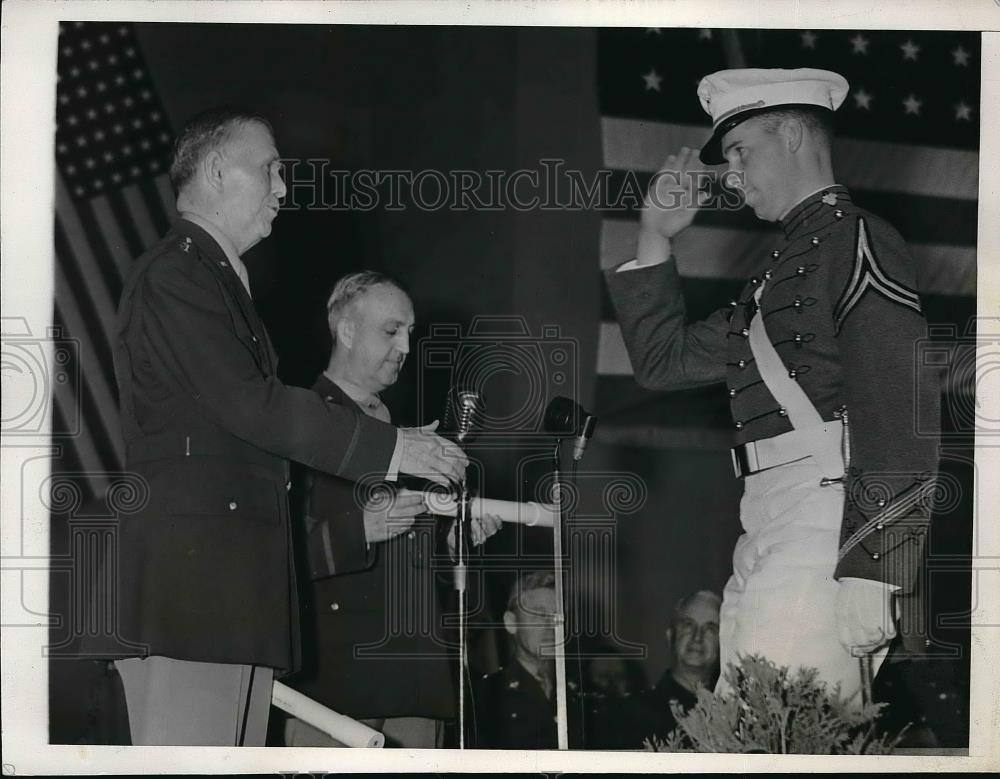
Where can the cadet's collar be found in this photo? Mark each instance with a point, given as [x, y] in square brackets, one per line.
[813, 206]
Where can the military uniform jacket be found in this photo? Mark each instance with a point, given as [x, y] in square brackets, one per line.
[205, 567]
[840, 307]
[372, 620]
[512, 712]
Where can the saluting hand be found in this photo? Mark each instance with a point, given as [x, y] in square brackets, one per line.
[670, 205]
[432, 457]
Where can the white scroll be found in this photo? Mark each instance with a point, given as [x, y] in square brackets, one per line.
[530, 514]
[347, 731]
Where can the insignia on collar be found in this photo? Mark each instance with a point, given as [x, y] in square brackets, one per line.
[830, 199]
[186, 244]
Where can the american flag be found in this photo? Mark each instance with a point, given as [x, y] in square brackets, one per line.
[907, 147]
[113, 200]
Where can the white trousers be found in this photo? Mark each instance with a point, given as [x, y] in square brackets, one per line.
[779, 601]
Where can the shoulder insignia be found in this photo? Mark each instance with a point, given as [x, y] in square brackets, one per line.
[868, 275]
[185, 245]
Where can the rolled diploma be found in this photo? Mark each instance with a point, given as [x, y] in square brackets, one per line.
[344, 729]
[530, 514]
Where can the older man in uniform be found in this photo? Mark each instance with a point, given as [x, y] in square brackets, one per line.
[206, 587]
[377, 652]
[817, 353]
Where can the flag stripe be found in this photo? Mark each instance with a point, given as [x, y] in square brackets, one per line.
[634, 144]
[83, 234]
[85, 296]
[704, 296]
[918, 218]
[76, 310]
[95, 442]
[135, 203]
[724, 253]
[154, 204]
[613, 361]
[114, 239]
[133, 240]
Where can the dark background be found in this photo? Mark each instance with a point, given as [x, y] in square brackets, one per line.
[445, 98]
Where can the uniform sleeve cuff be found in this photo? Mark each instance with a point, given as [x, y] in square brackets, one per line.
[634, 265]
[392, 474]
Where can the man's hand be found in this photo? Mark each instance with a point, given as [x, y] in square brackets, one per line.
[387, 514]
[431, 457]
[482, 528]
[864, 614]
[669, 206]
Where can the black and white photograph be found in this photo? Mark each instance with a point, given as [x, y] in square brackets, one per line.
[499, 387]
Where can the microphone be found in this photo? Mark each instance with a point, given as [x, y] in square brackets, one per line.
[581, 441]
[565, 417]
[462, 410]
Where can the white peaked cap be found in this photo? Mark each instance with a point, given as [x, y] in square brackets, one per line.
[733, 96]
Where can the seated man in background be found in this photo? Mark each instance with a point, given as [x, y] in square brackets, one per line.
[693, 636]
[372, 626]
[516, 706]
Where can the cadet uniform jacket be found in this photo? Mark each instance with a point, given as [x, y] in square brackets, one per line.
[841, 308]
[372, 621]
[204, 567]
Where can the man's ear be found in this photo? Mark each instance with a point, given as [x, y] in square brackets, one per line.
[669, 633]
[510, 622]
[345, 331]
[793, 133]
[211, 169]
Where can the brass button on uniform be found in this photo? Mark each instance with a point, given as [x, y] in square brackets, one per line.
[334, 606]
[232, 505]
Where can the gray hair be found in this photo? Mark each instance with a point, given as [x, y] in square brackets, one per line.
[690, 598]
[204, 133]
[351, 287]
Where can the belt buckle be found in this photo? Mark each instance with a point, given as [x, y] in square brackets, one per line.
[741, 460]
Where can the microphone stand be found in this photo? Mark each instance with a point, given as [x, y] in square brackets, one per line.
[559, 627]
[462, 520]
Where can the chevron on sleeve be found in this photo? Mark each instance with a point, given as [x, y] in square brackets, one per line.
[868, 275]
